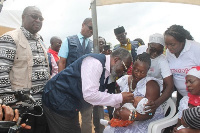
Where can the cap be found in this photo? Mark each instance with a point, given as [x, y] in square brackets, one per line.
[157, 38]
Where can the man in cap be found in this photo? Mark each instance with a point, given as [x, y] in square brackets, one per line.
[125, 42]
[159, 67]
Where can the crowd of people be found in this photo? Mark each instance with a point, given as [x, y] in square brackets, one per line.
[133, 80]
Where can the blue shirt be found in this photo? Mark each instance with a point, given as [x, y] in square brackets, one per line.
[64, 50]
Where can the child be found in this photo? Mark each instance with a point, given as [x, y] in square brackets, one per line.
[139, 104]
[190, 118]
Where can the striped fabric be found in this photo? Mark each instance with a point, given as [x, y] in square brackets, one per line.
[191, 116]
[40, 73]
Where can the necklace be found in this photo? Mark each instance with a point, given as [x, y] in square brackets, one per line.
[131, 86]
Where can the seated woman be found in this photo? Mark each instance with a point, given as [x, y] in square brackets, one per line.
[190, 101]
[143, 86]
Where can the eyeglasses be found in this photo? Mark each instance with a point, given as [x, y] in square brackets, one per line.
[125, 68]
[90, 27]
[35, 17]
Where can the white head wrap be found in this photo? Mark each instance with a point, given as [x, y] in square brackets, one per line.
[157, 38]
[195, 71]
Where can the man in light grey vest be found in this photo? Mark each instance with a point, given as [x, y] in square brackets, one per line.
[71, 49]
[24, 63]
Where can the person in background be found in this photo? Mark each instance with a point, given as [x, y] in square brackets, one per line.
[159, 67]
[53, 66]
[71, 49]
[106, 50]
[182, 54]
[83, 81]
[102, 43]
[140, 41]
[126, 43]
[53, 55]
[24, 64]
[55, 47]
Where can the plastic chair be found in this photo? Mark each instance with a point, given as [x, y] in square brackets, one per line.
[157, 126]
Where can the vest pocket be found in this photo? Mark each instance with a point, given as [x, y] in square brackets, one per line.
[20, 69]
[72, 53]
[20, 61]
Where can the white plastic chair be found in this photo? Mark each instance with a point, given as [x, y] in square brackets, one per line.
[157, 126]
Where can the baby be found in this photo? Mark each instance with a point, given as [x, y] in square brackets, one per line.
[190, 118]
[137, 106]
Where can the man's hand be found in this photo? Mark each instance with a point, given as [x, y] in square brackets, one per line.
[25, 126]
[127, 97]
[8, 113]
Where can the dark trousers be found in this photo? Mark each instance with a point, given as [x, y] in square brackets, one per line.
[110, 111]
[61, 124]
[98, 113]
[111, 89]
[38, 124]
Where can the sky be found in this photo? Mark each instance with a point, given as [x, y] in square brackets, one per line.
[64, 18]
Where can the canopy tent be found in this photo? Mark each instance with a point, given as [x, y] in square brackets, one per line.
[9, 20]
[95, 3]
[110, 2]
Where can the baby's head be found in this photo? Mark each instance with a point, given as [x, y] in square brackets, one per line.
[191, 118]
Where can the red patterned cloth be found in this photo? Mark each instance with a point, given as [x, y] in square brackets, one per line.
[54, 53]
[194, 99]
[129, 72]
[119, 123]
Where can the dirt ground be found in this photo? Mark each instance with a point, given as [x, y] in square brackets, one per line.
[105, 117]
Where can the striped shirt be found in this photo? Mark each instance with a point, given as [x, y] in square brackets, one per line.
[40, 74]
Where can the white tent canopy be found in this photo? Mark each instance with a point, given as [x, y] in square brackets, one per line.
[9, 20]
[110, 2]
[95, 3]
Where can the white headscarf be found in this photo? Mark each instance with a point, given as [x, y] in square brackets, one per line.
[157, 38]
[194, 71]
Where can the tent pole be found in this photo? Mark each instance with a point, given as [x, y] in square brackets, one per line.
[95, 28]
